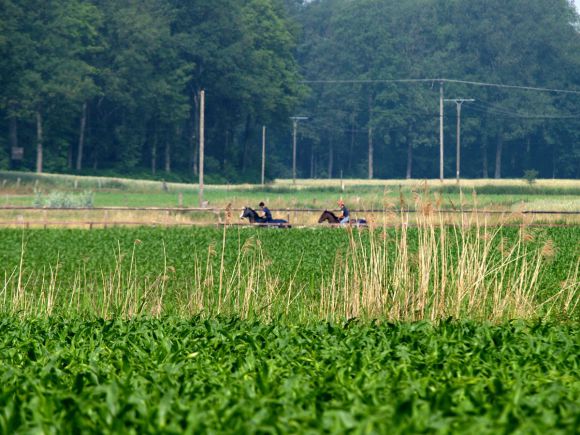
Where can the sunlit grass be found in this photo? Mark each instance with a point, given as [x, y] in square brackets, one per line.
[282, 197]
[469, 270]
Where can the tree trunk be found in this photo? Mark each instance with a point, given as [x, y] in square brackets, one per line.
[69, 157]
[484, 143]
[39, 140]
[168, 156]
[371, 154]
[13, 133]
[226, 148]
[485, 168]
[246, 147]
[311, 162]
[81, 145]
[498, 153]
[554, 167]
[528, 153]
[316, 166]
[409, 158]
[330, 158]
[351, 148]
[154, 155]
[167, 149]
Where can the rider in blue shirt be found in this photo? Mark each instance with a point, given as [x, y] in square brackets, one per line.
[345, 214]
[267, 215]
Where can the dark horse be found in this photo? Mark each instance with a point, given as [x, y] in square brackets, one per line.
[253, 217]
[331, 218]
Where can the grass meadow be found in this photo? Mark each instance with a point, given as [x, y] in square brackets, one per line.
[421, 325]
[511, 195]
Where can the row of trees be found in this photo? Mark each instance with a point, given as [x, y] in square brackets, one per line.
[113, 86]
[93, 85]
[383, 129]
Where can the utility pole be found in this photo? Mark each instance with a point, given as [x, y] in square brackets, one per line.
[201, 144]
[371, 153]
[459, 102]
[441, 175]
[295, 120]
[263, 153]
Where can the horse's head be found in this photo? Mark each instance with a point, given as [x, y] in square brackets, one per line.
[328, 216]
[248, 213]
[245, 213]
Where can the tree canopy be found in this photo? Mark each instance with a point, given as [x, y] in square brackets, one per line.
[112, 87]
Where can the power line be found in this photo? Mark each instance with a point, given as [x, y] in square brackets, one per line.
[525, 88]
[322, 111]
[369, 81]
[490, 108]
[465, 82]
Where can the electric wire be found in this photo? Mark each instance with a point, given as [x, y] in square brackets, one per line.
[440, 80]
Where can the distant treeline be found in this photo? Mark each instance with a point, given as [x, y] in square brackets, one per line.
[112, 87]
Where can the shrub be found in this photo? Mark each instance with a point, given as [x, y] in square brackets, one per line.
[59, 199]
[530, 176]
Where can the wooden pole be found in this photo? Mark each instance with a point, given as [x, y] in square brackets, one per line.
[459, 102]
[295, 127]
[263, 154]
[371, 153]
[458, 156]
[201, 144]
[39, 143]
[441, 175]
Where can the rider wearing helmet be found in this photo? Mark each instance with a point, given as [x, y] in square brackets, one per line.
[267, 215]
[345, 214]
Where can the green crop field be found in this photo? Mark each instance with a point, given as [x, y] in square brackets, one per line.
[422, 328]
[295, 273]
[229, 376]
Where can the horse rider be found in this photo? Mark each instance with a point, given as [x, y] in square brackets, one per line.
[344, 217]
[267, 214]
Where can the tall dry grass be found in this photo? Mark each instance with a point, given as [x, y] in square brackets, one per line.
[434, 271]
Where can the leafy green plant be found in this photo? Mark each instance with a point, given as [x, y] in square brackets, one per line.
[58, 199]
[38, 202]
[530, 176]
[69, 375]
[320, 274]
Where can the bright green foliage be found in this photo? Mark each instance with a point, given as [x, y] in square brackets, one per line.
[137, 67]
[530, 176]
[84, 268]
[314, 250]
[58, 199]
[503, 131]
[228, 376]
[133, 71]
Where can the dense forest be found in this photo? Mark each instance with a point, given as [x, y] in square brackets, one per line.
[112, 87]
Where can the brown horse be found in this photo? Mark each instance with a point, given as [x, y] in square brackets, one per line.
[331, 218]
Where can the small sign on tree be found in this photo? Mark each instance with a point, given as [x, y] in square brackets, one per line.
[17, 153]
